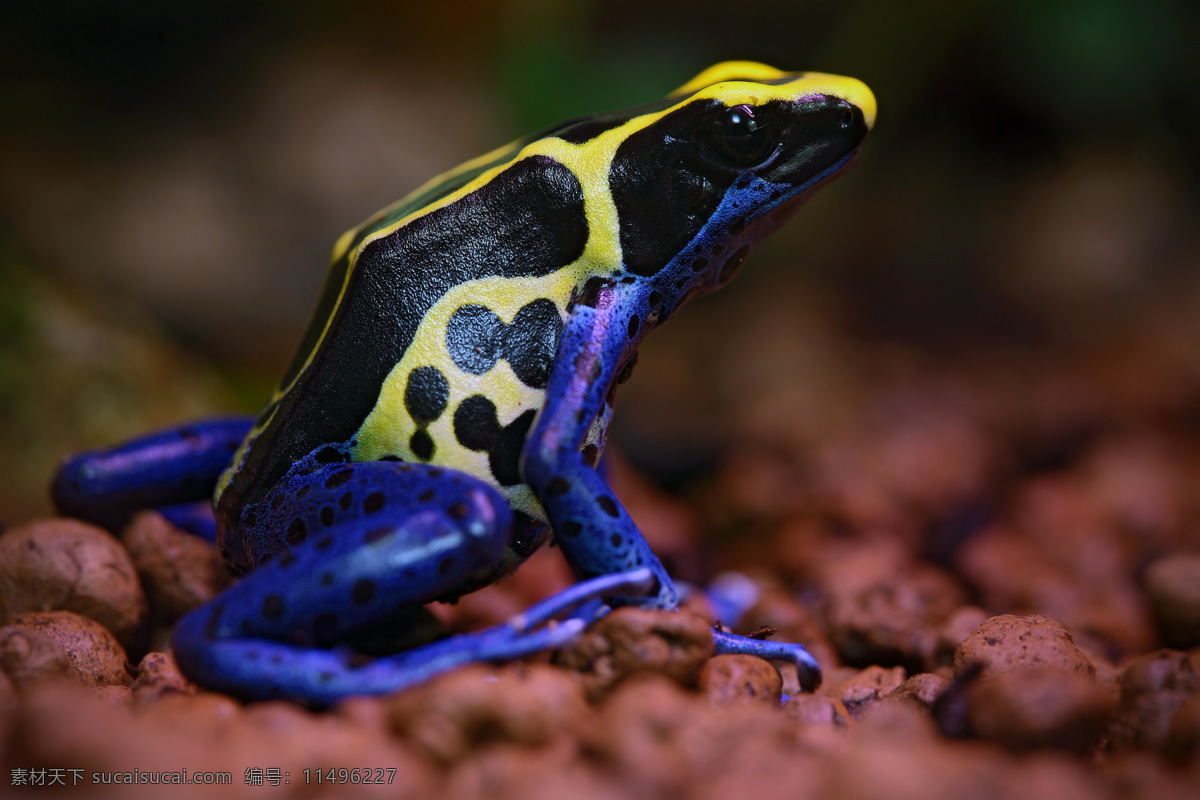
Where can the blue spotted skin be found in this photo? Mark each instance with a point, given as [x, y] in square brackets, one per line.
[447, 408]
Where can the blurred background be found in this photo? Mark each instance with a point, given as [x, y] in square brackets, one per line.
[1010, 274]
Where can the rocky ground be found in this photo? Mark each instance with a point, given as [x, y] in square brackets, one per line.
[996, 560]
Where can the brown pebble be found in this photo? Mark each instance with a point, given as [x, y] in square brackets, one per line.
[277, 717]
[8, 692]
[868, 686]
[952, 633]
[876, 765]
[664, 741]
[28, 656]
[525, 704]
[636, 731]
[1027, 709]
[95, 656]
[1153, 689]
[1007, 569]
[1183, 740]
[180, 571]
[1077, 575]
[631, 640]
[893, 717]
[1107, 674]
[207, 715]
[818, 710]
[740, 678]
[792, 622]
[1173, 589]
[1140, 774]
[365, 711]
[699, 604]
[117, 695]
[545, 773]
[158, 676]
[67, 565]
[892, 619]
[1009, 642]
[923, 689]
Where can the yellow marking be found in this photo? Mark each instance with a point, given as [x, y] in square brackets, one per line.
[388, 429]
[231, 470]
[728, 71]
[343, 242]
[734, 89]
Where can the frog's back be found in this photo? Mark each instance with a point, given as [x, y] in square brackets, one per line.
[472, 271]
[374, 329]
[440, 318]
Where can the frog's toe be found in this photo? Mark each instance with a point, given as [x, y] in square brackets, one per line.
[582, 596]
[809, 671]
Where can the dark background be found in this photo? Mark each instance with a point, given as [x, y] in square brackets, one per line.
[172, 176]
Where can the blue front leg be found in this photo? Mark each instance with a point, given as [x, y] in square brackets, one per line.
[593, 529]
[591, 526]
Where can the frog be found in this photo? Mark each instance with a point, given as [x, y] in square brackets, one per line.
[446, 410]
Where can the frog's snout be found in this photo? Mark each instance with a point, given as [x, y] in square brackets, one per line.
[862, 98]
[850, 90]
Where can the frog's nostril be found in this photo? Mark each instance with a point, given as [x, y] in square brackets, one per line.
[847, 118]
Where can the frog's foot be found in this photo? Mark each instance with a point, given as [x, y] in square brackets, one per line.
[262, 669]
[809, 671]
[583, 598]
[176, 466]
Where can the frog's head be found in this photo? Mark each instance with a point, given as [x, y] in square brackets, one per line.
[723, 162]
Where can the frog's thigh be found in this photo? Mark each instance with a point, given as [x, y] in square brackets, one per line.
[365, 541]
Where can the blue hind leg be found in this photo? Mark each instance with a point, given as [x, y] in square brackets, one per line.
[176, 466]
[362, 546]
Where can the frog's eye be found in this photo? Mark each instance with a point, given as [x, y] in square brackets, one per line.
[741, 137]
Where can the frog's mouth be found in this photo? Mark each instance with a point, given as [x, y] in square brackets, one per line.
[780, 213]
[772, 216]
